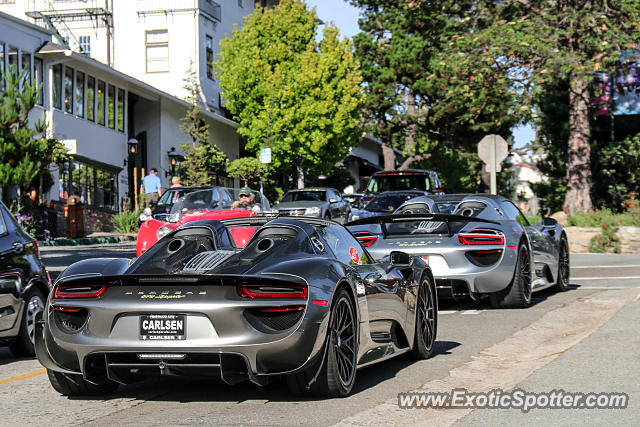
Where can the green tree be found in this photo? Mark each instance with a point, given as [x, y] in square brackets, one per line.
[409, 100]
[247, 169]
[535, 43]
[290, 93]
[25, 151]
[203, 162]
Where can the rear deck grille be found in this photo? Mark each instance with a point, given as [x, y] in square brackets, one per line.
[205, 261]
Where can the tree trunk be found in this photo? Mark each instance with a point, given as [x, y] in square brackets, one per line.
[300, 172]
[389, 156]
[410, 132]
[578, 196]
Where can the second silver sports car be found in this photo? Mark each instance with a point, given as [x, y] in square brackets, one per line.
[485, 247]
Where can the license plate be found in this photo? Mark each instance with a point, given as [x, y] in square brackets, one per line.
[162, 327]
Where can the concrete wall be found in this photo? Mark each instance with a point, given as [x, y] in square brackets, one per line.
[580, 237]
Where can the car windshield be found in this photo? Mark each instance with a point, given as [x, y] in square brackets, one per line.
[398, 183]
[388, 202]
[305, 196]
[172, 195]
[195, 201]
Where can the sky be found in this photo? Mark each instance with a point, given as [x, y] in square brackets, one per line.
[345, 17]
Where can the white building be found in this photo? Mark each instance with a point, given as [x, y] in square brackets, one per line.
[526, 172]
[95, 110]
[154, 41]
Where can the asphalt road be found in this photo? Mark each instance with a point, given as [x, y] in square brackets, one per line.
[477, 347]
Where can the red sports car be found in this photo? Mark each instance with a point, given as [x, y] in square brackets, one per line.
[214, 203]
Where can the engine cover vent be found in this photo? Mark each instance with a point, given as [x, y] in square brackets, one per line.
[205, 261]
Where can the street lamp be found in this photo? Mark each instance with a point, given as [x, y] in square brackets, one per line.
[132, 150]
[173, 161]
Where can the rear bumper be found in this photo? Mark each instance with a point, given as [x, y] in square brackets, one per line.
[232, 359]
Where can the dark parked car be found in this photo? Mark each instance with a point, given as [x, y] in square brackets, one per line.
[320, 202]
[385, 203]
[24, 285]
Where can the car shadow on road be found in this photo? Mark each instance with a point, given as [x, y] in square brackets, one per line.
[485, 304]
[175, 389]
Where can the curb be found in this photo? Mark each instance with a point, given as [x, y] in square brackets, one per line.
[89, 241]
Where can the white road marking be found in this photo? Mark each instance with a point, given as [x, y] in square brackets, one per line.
[472, 312]
[447, 311]
[608, 287]
[605, 266]
[637, 298]
[607, 278]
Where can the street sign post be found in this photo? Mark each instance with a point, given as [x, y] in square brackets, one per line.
[492, 150]
[265, 157]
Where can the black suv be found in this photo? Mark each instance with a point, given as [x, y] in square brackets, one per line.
[397, 180]
[24, 285]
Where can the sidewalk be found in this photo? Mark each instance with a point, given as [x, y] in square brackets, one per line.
[92, 239]
[607, 361]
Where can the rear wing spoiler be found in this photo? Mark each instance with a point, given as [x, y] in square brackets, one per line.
[382, 220]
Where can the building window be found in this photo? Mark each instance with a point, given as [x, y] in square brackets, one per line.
[240, 3]
[39, 79]
[121, 110]
[79, 94]
[95, 185]
[12, 58]
[209, 56]
[91, 98]
[57, 86]
[2, 67]
[25, 66]
[157, 51]
[101, 99]
[85, 44]
[68, 90]
[111, 107]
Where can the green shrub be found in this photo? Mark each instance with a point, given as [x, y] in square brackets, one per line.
[126, 222]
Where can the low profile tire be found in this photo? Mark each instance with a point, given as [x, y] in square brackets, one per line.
[336, 369]
[75, 385]
[23, 346]
[518, 293]
[426, 321]
[563, 265]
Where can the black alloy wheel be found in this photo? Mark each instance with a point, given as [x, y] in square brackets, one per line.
[333, 373]
[563, 265]
[518, 293]
[342, 341]
[426, 321]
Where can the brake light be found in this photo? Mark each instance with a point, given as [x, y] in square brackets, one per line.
[270, 291]
[79, 291]
[479, 236]
[365, 238]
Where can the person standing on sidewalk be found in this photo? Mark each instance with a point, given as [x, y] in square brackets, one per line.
[152, 187]
[175, 182]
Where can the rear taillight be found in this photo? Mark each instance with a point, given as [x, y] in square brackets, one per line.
[273, 291]
[78, 291]
[365, 238]
[479, 236]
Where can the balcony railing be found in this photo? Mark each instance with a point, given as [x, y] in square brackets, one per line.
[209, 7]
[66, 9]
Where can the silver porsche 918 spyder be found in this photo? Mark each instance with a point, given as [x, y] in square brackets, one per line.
[302, 300]
[482, 246]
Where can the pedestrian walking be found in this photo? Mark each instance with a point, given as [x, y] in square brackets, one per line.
[152, 187]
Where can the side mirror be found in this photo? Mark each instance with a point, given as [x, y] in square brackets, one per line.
[277, 202]
[332, 201]
[400, 259]
[549, 222]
